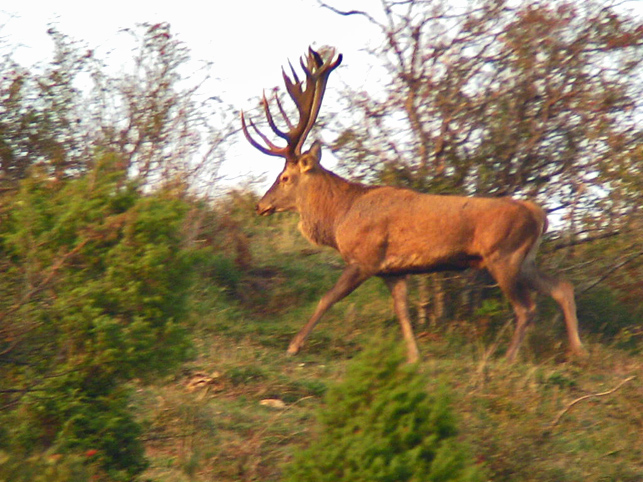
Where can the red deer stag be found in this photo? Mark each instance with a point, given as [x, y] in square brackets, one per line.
[391, 232]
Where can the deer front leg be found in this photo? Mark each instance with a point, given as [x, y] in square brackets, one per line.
[351, 278]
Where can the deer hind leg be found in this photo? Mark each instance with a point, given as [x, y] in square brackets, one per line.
[524, 308]
[562, 292]
[507, 274]
[398, 287]
[351, 278]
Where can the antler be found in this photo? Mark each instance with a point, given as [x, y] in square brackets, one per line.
[307, 98]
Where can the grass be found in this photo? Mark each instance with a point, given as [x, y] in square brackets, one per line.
[221, 431]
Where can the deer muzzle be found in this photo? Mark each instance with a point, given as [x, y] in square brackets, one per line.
[264, 209]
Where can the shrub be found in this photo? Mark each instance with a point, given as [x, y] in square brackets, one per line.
[601, 312]
[381, 424]
[97, 282]
[48, 467]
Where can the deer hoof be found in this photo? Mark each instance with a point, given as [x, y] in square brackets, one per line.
[579, 353]
[511, 356]
[292, 350]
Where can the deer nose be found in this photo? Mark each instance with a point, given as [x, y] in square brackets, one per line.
[264, 210]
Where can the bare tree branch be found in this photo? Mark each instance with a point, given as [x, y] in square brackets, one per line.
[586, 397]
[612, 270]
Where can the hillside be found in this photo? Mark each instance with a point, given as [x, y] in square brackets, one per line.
[241, 407]
[145, 312]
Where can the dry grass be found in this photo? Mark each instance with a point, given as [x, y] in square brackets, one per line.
[510, 414]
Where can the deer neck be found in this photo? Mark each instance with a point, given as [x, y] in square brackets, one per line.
[324, 201]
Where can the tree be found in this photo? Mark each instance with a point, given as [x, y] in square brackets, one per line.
[535, 99]
[39, 124]
[161, 129]
[57, 114]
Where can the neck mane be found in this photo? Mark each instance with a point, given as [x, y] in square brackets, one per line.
[323, 202]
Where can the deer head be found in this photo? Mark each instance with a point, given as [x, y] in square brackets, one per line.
[307, 96]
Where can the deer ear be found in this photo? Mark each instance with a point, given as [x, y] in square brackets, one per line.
[310, 159]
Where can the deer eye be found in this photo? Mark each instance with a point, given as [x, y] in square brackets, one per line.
[285, 178]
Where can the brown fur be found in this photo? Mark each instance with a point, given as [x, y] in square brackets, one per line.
[391, 232]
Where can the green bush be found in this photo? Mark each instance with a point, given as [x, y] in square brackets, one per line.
[98, 283]
[381, 424]
[48, 467]
[222, 271]
[601, 312]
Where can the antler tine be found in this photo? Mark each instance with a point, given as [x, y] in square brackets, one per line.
[283, 112]
[294, 87]
[271, 150]
[295, 78]
[270, 119]
[314, 56]
[306, 97]
[319, 72]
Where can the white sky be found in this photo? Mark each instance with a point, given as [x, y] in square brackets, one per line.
[247, 40]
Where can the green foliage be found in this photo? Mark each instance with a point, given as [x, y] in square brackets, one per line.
[222, 271]
[381, 424]
[246, 374]
[58, 113]
[99, 283]
[602, 313]
[48, 467]
[94, 277]
[522, 98]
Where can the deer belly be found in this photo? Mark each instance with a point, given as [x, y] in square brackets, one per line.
[421, 263]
